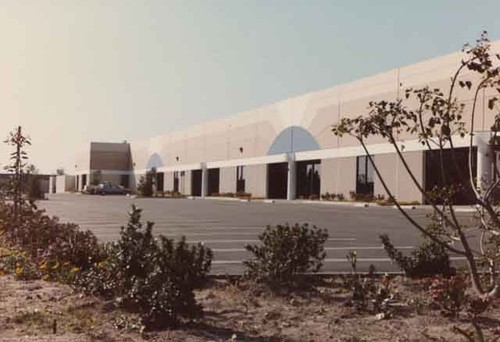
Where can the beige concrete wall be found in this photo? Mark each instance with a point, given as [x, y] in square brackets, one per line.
[407, 190]
[65, 183]
[82, 159]
[52, 184]
[328, 176]
[255, 130]
[185, 183]
[397, 178]
[227, 180]
[169, 181]
[110, 156]
[139, 154]
[387, 164]
[256, 180]
[338, 176]
[60, 184]
[250, 134]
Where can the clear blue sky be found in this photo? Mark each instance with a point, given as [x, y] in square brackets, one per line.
[74, 71]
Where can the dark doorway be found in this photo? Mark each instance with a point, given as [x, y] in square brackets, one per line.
[196, 182]
[308, 179]
[124, 181]
[364, 176]
[77, 183]
[213, 181]
[84, 181]
[455, 172]
[182, 182]
[160, 181]
[277, 177]
[240, 179]
[176, 181]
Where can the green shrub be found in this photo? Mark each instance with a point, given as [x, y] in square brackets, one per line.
[285, 252]
[430, 258]
[53, 247]
[155, 276]
[145, 186]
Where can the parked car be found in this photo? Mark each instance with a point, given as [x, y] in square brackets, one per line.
[110, 189]
[89, 189]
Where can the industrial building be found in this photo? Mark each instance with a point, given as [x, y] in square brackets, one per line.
[286, 150]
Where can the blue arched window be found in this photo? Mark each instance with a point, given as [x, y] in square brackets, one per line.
[293, 139]
[154, 161]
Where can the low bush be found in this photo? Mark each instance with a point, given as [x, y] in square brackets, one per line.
[145, 186]
[173, 194]
[332, 197]
[429, 259]
[155, 276]
[361, 197]
[49, 249]
[285, 252]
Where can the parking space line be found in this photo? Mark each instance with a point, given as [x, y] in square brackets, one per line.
[251, 241]
[329, 260]
[356, 248]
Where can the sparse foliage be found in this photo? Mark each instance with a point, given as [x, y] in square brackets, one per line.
[367, 293]
[429, 259]
[18, 158]
[438, 120]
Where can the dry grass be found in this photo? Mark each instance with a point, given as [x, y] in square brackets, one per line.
[238, 312]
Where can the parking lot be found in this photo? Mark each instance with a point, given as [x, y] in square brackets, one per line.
[226, 226]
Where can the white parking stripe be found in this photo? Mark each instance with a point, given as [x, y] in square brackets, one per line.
[331, 260]
[250, 241]
[227, 250]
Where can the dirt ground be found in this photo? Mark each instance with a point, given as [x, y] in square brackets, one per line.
[44, 311]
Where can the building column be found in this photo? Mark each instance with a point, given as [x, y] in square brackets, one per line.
[483, 169]
[204, 180]
[292, 172]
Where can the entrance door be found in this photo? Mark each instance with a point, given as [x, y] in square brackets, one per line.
[196, 182]
[176, 181]
[277, 178]
[84, 181]
[213, 181]
[308, 179]
[159, 181]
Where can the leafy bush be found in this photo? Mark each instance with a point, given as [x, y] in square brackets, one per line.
[285, 252]
[145, 186]
[50, 249]
[155, 276]
[429, 259]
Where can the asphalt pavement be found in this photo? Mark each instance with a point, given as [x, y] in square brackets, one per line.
[226, 226]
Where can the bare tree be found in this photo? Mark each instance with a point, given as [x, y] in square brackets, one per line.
[438, 121]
